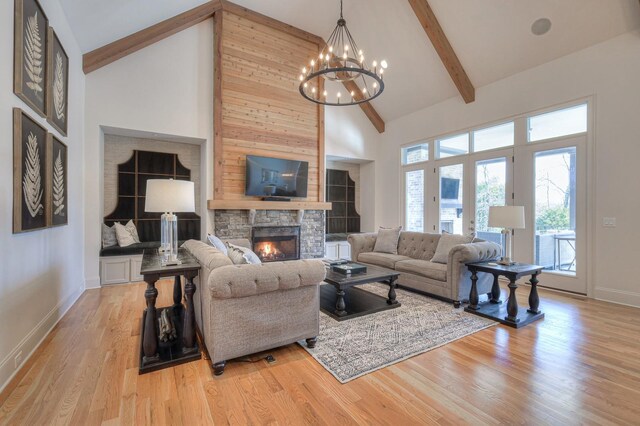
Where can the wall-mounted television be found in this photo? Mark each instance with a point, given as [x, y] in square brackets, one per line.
[276, 177]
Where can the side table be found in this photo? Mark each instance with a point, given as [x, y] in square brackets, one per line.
[155, 355]
[513, 315]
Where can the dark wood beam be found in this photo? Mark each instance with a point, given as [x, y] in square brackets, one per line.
[450, 60]
[105, 55]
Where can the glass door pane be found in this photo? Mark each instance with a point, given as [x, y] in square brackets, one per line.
[555, 210]
[491, 181]
[451, 204]
[414, 200]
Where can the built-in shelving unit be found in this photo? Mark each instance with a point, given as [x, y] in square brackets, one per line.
[341, 192]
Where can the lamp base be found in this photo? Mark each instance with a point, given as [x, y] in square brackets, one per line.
[169, 262]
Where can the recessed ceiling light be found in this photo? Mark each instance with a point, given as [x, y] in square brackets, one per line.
[541, 26]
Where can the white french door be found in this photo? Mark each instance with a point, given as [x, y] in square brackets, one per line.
[551, 183]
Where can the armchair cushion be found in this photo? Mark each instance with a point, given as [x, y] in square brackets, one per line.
[230, 282]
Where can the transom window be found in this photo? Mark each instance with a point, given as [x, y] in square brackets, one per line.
[554, 124]
[493, 137]
[415, 153]
[452, 146]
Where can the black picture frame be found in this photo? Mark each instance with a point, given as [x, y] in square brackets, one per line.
[30, 54]
[29, 174]
[57, 183]
[57, 83]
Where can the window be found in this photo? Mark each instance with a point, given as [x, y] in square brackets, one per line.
[415, 154]
[493, 137]
[452, 146]
[414, 200]
[564, 122]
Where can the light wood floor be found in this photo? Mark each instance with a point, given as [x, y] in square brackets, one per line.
[579, 365]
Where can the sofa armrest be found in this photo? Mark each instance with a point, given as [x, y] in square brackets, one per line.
[461, 254]
[235, 281]
[474, 252]
[361, 243]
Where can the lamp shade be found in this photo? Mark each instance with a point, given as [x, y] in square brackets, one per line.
[168, 195]
[511, 217]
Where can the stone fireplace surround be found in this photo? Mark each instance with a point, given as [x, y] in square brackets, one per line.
[230, 224]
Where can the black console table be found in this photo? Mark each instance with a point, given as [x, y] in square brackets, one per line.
[155, 355]
[513, 315]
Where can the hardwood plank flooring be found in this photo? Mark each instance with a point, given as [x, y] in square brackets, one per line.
[580, 365]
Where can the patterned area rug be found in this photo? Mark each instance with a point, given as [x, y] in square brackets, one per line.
[355, 347]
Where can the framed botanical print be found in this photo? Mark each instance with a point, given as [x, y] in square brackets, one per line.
[30, 54]
[57, 201]
[29, 167]
[57, 83]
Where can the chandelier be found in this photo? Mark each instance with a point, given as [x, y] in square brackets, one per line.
[341, 61]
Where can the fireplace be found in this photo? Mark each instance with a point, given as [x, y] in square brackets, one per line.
[276, 243]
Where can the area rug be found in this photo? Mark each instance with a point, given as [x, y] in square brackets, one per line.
[352, 348]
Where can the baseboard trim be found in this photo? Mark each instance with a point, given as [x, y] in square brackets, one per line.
[34, 339]
[93, 282]
[621, 297]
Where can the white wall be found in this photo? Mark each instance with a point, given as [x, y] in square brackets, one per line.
[166, 88]
[609, 72]
[41, 272]
[350, 135]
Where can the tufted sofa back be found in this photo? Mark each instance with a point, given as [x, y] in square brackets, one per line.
[418, 245]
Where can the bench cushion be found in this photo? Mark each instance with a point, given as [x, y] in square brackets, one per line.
[424, 268]
[386, 260]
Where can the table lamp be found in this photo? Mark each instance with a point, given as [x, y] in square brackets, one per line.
[507, 218]
[169, 196]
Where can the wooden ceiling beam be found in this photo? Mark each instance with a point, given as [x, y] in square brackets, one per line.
[105, 55]
[450, 60]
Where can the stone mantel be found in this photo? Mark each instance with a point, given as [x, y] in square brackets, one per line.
[266, 205]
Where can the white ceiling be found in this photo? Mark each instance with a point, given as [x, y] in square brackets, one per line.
[492, 38]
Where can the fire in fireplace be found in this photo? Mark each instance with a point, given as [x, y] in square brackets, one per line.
[276, 243]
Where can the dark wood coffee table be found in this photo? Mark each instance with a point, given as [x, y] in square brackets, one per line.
[154, 354]
[341, 300]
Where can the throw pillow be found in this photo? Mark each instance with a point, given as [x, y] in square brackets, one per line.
[131, 228]
[123, 235]
[217, 243]
[248, 256]
[446, 243]
[387, 240]
[109, 238]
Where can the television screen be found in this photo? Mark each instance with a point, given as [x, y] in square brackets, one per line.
[276, 177]
[449, 188]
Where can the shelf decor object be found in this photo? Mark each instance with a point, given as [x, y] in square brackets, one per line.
[341, 61]
[508, 218]
[169, 196]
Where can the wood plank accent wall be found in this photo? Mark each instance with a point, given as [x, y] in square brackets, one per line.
[257, 108]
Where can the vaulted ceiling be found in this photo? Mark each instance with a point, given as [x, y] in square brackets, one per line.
[492, 38]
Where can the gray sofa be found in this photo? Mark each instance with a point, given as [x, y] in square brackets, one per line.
[244, 309]
[451, 281]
